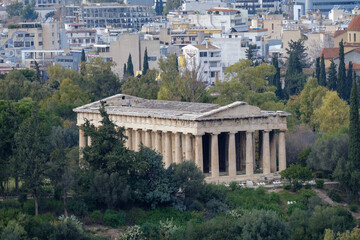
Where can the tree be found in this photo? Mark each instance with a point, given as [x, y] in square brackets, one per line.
[250, 52]
[317, 69]
[83, 56]
[38, 76]
[332, 78]
[169, 74]
[275, 79]
[99, 81]
[348, 235]
[29, 13]
[341, 85]
[243, 82]
[124, 71]
[332, 114]
[171, 5]
[31, 149]
[349, 80]
[322, 81]
[130, 68]
[146, 62]
[14, 9]
[151, 182]
[107, 151]
[298, 49]
[295, 173]
[144, 86]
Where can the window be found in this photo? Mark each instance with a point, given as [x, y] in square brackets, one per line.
[40, 43]
[354, 37]
[20, 35]
[213, 64]
[212, 74]
[18, 44]
[349, 37]
[27, 44]
[27, 35]
[203, 54]
[152, 58]
[272, 26]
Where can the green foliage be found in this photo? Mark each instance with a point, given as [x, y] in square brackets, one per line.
[134, 215]
[353, 207]
[162, 213]
[275, 79]
[29, 13]
[246, 83]
[145, 63]
[130, 67]
[335, 195]
[144, 86]
[319, 183]
[171, 5]
[151, 183]
[349, 80]
[114, 218]
[332, 79]
[14, 9]
[96, 217]
[250, 52]
[322, 80]
[348, 235]
[132, 232]
[342, 89]
[78, 207]
[296, 172]
[317, 69]
[50, 14]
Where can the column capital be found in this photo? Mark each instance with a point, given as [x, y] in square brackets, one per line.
[214, 133]
[233, 132]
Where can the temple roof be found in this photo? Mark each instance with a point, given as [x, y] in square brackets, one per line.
[122, 104]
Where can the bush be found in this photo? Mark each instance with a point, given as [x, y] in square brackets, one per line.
[307, 186]
[161, 214]
[215, 206]
[287, 186]
[134, 214]
[150, 231]
[319, 183]
[353, 208]
[29, 207]
[334, 195]
[54, 206]
[196, 206]
[78, 207]
[296, 186]
[114, 219]
[96, 217]
[294, 206]
[10, 204]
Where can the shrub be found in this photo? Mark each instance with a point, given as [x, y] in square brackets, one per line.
[334, 195]
[307, 186]
[196, 206]
[287, 186]
[319, 183]
[353, 208]
[114, 219]
[132, 232]
[215, 206]
[55, 206]
[134, 214]
[151, 231]
[96, 217]
[294, 206]
[29, 207]
[78, 207]
[161, 214]
[10, 204]
[296, 186]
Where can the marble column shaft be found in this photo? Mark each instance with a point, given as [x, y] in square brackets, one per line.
[129, 140]
[249, 153]
[188, 147]
[232, 155]
[199, 152]
[137, 140]
[273, 137]
[266, 152]
[158, 142]
[282, 151]
[178, 148]
[168, 150]
[214, 155]
[147, 138]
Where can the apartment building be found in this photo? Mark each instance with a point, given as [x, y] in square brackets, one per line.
[80, 37]
[109, 14]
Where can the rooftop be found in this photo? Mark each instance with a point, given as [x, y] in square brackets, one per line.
[354, 24]
[122, 104]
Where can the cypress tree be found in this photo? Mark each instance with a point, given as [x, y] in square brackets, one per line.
[130, 67]
[157, 7]
[354, 128]
[322, 80]
[341, 87]
[317, 67]
[332, 79]
[275, 80]
[125, 70]
[146, 63]
[83, 57]
[349, 80]
[38, 73]
[161, 7]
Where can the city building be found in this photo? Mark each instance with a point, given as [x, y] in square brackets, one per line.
[205, 59]
[253, 5]
[219, 139]
[80, 37]
[109, 14]
[325, 6]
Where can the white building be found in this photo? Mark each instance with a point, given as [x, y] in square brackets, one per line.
[202, 6]
[80, 37]
[206, 59]
[222, 18]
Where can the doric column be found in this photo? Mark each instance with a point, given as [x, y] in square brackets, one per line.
[232, 155]
[168, 150]
[177, 147]
[137, 139]
[89, 141]
[282, 151]
[82, 142]
[266, 152]
[199, 152]
[214, 155]
[147, 138]
[158, 143]
[273, 152]
[129, 140]
[188, 147]
[249, 153]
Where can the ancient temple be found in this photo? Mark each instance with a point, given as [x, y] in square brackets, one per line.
[236, 142]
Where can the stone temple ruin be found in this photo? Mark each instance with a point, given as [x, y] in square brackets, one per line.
[236, 142]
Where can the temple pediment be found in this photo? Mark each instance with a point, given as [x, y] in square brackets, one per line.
[233, 110]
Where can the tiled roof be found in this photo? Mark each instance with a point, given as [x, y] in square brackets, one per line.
[339, 32]
[354, 24]
[329, 53]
